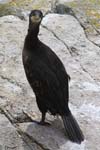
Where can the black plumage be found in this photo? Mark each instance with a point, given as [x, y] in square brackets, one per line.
[48, 78]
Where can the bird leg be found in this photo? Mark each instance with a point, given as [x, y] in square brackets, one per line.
[42, 122]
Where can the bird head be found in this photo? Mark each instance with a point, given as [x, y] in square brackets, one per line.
[35, 16]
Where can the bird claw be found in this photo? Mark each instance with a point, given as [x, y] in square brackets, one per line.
[43, 123]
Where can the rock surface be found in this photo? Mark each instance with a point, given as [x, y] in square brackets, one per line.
[64, 34]
[87, 13]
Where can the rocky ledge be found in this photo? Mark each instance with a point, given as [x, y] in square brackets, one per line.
[81, 57]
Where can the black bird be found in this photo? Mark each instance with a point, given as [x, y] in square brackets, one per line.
[48, 78]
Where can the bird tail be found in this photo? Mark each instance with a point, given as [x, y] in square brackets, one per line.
[72, 128]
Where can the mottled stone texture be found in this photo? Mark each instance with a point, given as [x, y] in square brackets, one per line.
[65, 35]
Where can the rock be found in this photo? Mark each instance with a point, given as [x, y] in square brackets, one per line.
[5, 1]
[64, 1]
[10, 139]
[95, 39]
[55, 138]
[62, 9]
[74, 37]
[87, 16]
[66, 37]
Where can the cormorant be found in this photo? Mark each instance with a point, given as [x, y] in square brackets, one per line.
[48, 79]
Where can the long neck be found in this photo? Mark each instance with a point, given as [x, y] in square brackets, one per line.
[32, 36]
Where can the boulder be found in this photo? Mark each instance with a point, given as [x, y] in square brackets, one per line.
[66, 37]
[86, 12]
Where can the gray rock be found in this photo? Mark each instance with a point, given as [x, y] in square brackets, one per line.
[68, 30]
[9, 137]
[87, 17]
[4, 1]
[64, 1]
[66, 37]
[62, 9]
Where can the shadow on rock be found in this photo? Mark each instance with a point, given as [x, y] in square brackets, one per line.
[45, 137]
